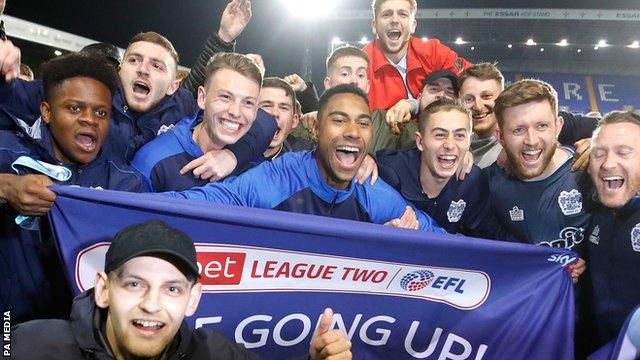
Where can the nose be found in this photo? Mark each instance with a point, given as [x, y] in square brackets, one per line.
[441, 94]
[88, 117]
[449, 142]
[143, 68]
[351, 130]
[150, 303]
[609, 162]
[530, 138]
[234, 109]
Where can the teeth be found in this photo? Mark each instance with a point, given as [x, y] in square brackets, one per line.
[532, 152]
[229, 125]
[147, 323]
[447, 157]
[612, 178]
[348, 149]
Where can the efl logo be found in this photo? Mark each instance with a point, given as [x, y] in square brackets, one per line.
[416, 280]
[221, 268]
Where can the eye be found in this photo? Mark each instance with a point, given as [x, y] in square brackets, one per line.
[362, 76]
[461, 136]
[344, 74]
[487, 96]
[440, 135]
[543, 126]
[74, 108]
[364, 123]
[518, 131]
[101, 113]
[339, 120]
[224, 97]
[132, 284]
[133, 60]
[598, 154]
[467, 101]
[174, 290]
[248, 102]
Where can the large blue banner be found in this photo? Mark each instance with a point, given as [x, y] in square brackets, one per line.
[397, 294]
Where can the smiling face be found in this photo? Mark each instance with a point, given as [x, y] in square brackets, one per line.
[441, 88]
[344, 135]
[529, 136]
[348, 70]
[394, 23]
[444, 142]
[147, 75]
[276, 102]
[614, 164]
[78, 113]
[230, 103]
[480, 97]
[147, 299]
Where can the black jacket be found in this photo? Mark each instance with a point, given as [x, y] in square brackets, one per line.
[80, 339]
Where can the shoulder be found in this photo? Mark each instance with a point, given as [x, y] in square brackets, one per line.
[156, 150]
[54, 340]
[206, 343]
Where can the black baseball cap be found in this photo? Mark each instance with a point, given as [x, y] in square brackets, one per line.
[153, 238]
[442, 74]
[109, 51]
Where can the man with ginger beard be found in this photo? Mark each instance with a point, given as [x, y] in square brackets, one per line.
[542, 202]
[400, 62]
[65, 146]
[426, 176]
[614, 233]
[323, 180]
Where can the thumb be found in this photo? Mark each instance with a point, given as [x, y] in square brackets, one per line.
[325, 321]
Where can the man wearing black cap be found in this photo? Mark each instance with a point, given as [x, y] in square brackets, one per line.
[136, 309]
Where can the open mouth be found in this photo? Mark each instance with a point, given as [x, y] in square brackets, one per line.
[230, 126]
[613, 182]
[480, 116]
[347, 155]
[447, 161]
[531, 156]
[147, 326]
[141, 88]
[394, 34]
[86, 141]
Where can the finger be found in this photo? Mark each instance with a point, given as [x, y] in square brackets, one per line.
[325, 321]
[200, 170]
[191, 165]
[374, 175]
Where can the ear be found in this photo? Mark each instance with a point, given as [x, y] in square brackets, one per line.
[295, 120]
[418, 137]
[373, 27]
[498, 134]
[45, 112]
[173, 87]
[202, 97]
[559, 124]
[414, 24]
[101, 290]
[327, 83]
[194, 299]
[368, 86]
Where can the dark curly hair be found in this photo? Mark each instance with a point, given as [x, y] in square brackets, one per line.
[57, 70]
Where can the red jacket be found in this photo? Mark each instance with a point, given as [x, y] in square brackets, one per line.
[423, 58]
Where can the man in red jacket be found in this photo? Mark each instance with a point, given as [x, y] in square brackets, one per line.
[399, 62]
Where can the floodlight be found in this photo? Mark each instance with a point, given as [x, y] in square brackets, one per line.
[602, 43]
[634, 45]
[309, 9]
[541, 49]
[459, 41]
[510, 46]
[563, 43]
[530, 42]
[57, 52]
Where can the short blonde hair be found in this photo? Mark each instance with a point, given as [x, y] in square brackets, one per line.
[376, 4]
[232, 61]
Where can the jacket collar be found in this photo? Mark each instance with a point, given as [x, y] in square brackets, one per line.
[183, 131]
[378, 60]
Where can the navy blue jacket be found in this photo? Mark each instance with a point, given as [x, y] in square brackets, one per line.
[293, 183]
[161, 159]
[32, 283]
[613, 261]
[129, 131]
[461, 207]
[549, 212]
